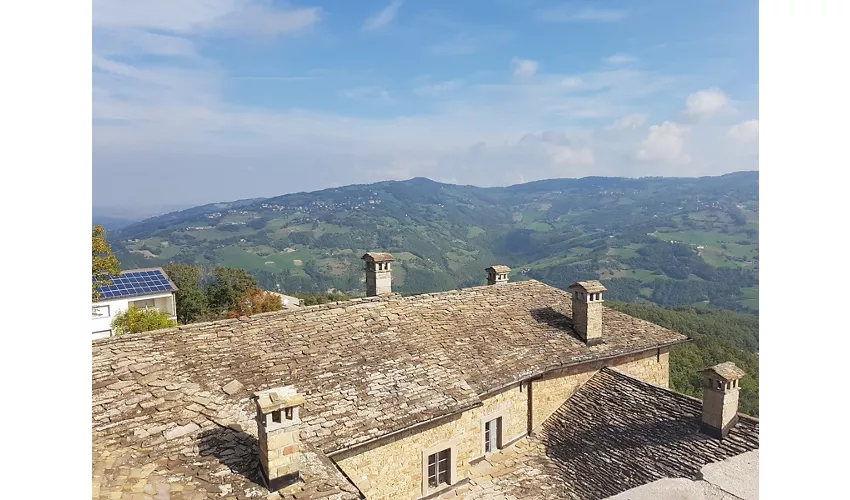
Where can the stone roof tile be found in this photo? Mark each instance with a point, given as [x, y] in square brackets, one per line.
[617, 433]
[727, 370]
[366, 367]
[378, 257]
[591, 286]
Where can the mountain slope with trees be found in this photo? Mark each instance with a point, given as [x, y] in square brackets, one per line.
[668, 241]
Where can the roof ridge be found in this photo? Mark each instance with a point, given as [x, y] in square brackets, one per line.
[332, 305]
[617, 372]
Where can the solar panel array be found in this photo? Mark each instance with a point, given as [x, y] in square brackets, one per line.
[135, 283]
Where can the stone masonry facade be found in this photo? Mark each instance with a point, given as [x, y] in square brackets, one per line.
[392, 468]
[550, 391]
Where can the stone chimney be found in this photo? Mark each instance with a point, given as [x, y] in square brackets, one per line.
[587, 310]
[278, 428]
[378, 273]
[720, 399]
[497, 275]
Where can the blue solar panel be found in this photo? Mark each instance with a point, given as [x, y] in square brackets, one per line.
[131, 283]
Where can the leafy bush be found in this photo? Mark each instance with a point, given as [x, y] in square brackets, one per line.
[312, 299]
[254, 302]
[137, 320]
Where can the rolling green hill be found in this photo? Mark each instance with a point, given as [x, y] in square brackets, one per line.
[668, 241]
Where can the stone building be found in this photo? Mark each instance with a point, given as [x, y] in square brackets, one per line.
[517, 390]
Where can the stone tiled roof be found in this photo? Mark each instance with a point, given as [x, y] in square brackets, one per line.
[378, 256]
[499, 269]
[616, 433]
[727, 370]
[591, 286]
[366, 367]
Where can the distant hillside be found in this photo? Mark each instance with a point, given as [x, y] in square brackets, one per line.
[668, 241]
[111, 223]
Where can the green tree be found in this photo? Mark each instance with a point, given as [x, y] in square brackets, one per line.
[718, 336]
[103, 263]
[136, 320]
[312, 299]
[191, 300]
[256, 301]
[229, 285]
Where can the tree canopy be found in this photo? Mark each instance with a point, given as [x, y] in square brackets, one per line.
[229, 285]
[256, 301]
[192, 304]
[103, 263]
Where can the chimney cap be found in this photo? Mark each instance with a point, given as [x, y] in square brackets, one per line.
[591, 286]
[378, 257]
[277, 398]
[727, 371]
[499, 269]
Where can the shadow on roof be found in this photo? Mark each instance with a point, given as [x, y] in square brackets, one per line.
[553, 318]
[238, 450]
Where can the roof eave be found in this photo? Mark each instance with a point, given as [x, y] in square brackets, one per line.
[561, 366]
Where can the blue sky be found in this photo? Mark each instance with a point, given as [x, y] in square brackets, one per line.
[197, 101]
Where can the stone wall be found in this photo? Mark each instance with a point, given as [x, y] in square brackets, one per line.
[549, 392]
[392, 468]
[512, 405]
[652, 368]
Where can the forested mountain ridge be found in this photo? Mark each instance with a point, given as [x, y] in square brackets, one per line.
[671, 241]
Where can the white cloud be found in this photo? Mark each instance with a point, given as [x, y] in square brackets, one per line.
[560, 148]
[524, 68]
[566, 14]
[629, 122]
[747, 131]
[384, 17]
[202, 17]
[571, 82]
[620, 59]
[565, 155]
[438, 88]
[135, 41]
[173, 119]
[372, 95]
[664, 143]
[706, 104]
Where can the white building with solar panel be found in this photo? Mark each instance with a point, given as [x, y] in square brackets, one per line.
[134, 288]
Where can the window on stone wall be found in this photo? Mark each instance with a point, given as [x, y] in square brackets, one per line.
[493, 435]
[438, 468]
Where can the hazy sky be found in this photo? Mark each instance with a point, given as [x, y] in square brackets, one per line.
[211, 100]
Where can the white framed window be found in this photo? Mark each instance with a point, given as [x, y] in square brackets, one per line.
[439, 467]
[100, 311]
[492, 431]
[141, 304]
[493, 435]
